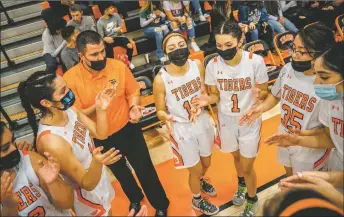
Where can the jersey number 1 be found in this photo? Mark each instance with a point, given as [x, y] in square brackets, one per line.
[187, 106]
[235, 108]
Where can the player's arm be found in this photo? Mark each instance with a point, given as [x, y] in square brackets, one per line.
[159, 98]
[263, 91]
[320, 141]
[59, 193]
[9, 210]
[202, 73]
[69, 164]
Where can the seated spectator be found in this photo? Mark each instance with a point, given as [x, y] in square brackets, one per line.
[70, 54]
[53, 42]
[109, 26]
[327, 12]
[178, 12]
[276, 19]
[253, 14]
[197, 7]
[152, 20]
[80, 21]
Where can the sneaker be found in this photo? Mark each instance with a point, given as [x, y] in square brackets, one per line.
[250, 209]
[207, 188]
[204, 206]
[202, 18]
[131, 66]
[239, 196]
[194, 47]
[163, 59]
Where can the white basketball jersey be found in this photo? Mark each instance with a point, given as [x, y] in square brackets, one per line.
[235, 83]
[300, 106]
[86, 203]
[181, 90]
[32, 199]
[332, 116]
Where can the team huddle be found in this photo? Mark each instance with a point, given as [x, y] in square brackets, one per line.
[310, 135]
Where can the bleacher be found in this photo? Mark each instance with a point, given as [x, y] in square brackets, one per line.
[21, 55]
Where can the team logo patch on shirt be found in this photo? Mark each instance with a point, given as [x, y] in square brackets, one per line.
[113, 81]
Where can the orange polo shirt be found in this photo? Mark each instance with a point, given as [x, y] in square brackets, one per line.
[86, 85]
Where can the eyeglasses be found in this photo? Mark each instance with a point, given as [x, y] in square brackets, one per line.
[302, 53]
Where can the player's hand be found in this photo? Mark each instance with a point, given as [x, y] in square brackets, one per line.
[143, 211]
[135, 114]
[50, 170]
[195, 112]
[108, 40]
[8, 197]
[283, 140]
[169, 120]
[252, 26]
[104, 98]
[284, 183]
[109, 157]
[24, 146]
[200, 101]
[251, 115]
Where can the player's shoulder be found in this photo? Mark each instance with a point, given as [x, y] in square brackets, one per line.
[254, 58]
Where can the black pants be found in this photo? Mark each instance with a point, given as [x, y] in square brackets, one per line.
[129, 140]
[121, 42]
[51, 62]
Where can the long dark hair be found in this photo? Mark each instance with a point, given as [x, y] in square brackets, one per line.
[317, 37]
[333, 59]
[229, 27]
[37, 87]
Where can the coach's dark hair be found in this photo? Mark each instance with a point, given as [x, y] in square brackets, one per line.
[87, 37]
[67, 31]
[37, 87]
[316, 37]
[55, 24]
[229, 27]
[74, 8]
[282, 200]
[333, 59]
[2, 130]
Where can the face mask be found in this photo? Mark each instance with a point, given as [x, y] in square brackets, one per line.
[301, 66]
[67, 101]
[328, 91]
[9, 161]
[228, 54]
[97, 65]
[179, 57]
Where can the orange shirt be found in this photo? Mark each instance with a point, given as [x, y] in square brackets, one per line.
[86, 85]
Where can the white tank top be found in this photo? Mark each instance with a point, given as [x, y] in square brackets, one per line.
[98, 201]
[180, 91]
[32, 199]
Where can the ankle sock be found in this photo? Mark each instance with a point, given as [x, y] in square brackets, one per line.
[197, 196]
[252, 199]
[241, 181]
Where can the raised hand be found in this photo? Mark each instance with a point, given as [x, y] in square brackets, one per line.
[50, 170]
[8, 198]
[283, 140]
[103, 99]
[23, 145]
[135, 114]
[251, 115]
[109, 157]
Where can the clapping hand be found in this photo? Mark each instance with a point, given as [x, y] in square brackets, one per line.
[109, 157]
[8, 198]
[103, 99]
[135, 114]
[49, 171]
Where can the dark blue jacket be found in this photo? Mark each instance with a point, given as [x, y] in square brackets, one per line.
[245, 18]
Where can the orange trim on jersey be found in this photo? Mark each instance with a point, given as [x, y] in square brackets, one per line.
[322, 159]
[71, 212]
[45, 132]
[215, 59]
[25, 152]
[174, 142]
[251, 55]
[100, 211]
[179, 162]
[260, 137]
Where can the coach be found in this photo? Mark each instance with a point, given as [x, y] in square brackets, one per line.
[89, 77]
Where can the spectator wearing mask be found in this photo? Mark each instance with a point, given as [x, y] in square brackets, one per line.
[79, 21]
[178, 12]
[53, 42]
[69, 54]
[109, 27]
[253, 14]
[276, 19]
[152, 20]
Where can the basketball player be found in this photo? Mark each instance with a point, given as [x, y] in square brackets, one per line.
[67, 134]
[329, 86]
[231, 78]
[30, 184]
[300, 105]
[192, 134]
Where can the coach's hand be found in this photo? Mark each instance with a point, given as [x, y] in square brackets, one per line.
[283, 140]
[135, 114]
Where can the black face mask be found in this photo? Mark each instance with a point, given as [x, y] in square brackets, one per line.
[301, 66]
[9, 161]
[179, 57]
[67, 101]
[97, 65]
[228, 54]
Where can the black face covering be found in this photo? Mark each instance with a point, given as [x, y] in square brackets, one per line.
[228, 54]
[301, 66]
[67, 101]
[9, 161]
[179, 57]
[97, 65]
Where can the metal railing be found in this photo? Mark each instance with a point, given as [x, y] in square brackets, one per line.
[9, 19]
[9, 61]
[12, 124]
